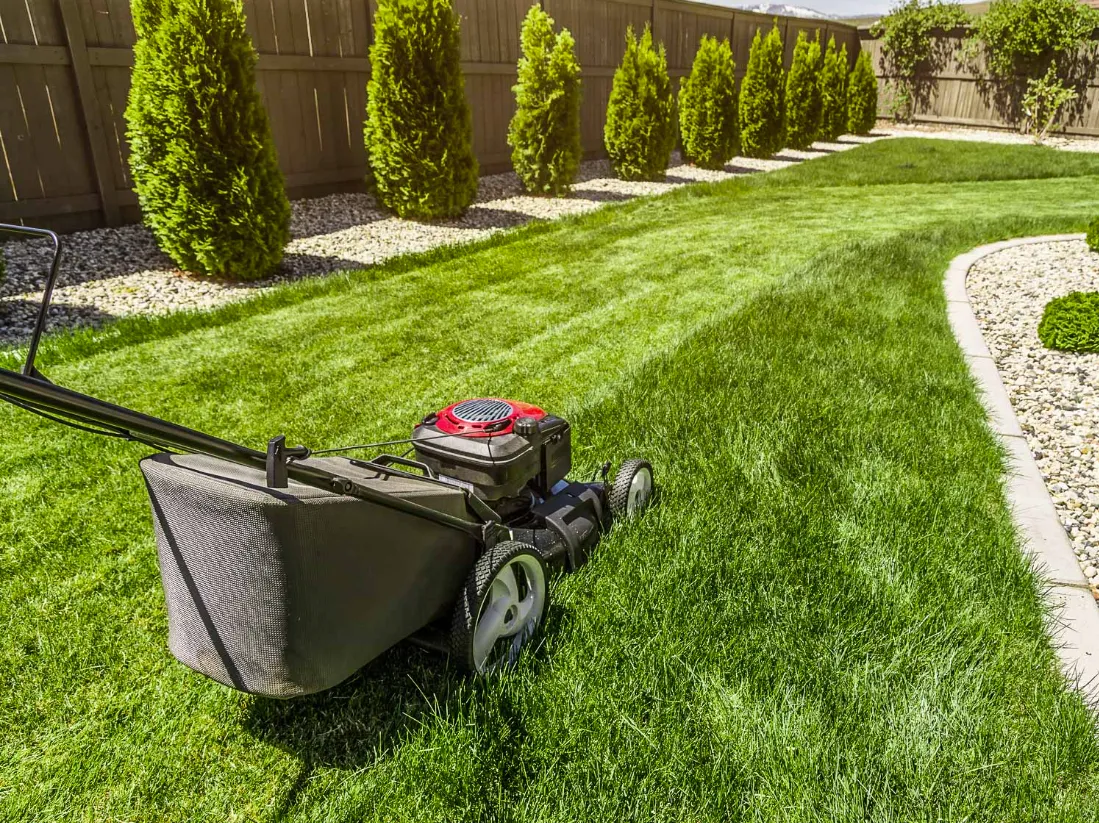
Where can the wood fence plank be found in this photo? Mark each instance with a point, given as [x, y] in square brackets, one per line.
[97, 142]
[18, 143]
[18, 28]
[65, 105]
[47, 22]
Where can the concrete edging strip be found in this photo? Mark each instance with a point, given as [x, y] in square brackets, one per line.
[1074, 624]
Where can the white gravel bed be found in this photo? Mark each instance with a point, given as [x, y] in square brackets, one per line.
[940, 132]
[109, 273]
[1055, 394]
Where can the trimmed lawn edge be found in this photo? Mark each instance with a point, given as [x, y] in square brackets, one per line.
[1073, 621]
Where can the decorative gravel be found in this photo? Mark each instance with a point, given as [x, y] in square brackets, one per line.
[938, 132]
[1055, 394]
[116, 272]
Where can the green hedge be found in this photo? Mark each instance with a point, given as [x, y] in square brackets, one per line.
[641, 125]
[707, 106]
[762, 132]
[862, 96]
[545, 132]
[1071, 323]
[201, 153]
[419, 129]
[803, 94]
[833, 89]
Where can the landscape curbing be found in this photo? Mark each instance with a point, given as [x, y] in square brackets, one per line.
[1074, 613]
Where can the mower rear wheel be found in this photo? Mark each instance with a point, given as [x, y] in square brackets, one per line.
[632, 488]
[500, 608]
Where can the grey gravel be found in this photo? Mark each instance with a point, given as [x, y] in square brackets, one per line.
[1055, 394]
[108, 273]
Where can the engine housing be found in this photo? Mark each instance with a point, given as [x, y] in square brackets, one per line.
[501, 448]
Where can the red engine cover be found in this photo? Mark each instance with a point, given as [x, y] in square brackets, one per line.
[482, 417]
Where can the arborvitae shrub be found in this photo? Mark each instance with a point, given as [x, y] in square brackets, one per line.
[545, 132]
[419, 130]
[862, 96]
[803, 97]
[762, 132]
[201, 153]
[640, 131]
[833, 89]
[707, 106]
[1071, 323]
[1093, 235]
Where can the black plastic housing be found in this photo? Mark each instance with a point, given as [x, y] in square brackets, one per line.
[501, 466]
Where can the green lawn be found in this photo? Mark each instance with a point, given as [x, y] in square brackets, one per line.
[826, 617]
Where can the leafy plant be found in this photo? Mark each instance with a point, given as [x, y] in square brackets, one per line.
[833, 90]
[419, 129]
[862, 96]
[762, 130]
[1036, 51]
[803, 94]
[909, 49]
[201, 152]
[1023, 37]
[545, 132]
[641, 130]
[707, 106]
[1071, 323]
[1042, 103]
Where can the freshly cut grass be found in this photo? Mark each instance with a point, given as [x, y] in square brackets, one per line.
[1071, 323]
[825, 618]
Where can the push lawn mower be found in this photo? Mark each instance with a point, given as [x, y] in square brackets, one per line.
[286, 571]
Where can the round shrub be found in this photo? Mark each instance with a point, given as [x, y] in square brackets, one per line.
[761, 98]
[803, 94]
[545, 132]
[419, 129]
[201, 153]
[1071, 323]
[833, 91]
[862, 97]
[640, 131]
[707, 106]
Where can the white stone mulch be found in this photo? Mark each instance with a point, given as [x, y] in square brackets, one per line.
[116, 272]
[940, 132]
[1055, 394]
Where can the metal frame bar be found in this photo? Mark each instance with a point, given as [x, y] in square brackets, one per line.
[47, 296]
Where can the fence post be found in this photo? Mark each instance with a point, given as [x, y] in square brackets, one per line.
[652, 18]
[85, 89]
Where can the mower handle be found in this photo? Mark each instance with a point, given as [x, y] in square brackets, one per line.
[43, 310]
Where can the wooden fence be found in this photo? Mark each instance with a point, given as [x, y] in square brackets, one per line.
[65, 76]
[957, 91]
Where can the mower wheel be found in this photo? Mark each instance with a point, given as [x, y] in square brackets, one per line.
[500, 608]
[632, 489]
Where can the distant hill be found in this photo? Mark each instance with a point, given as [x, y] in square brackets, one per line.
[784, 10]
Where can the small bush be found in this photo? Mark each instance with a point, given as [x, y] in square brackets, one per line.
[201, 153]
[640, 131]
[545, 132]
[862, 97]
[833, 90]
[1071, 323]
[707, 106]
[803, 94]
[762, 132]
[1093, 235]
[419, 129]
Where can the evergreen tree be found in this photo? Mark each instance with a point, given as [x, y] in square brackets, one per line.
[1093, 235]
[803, 94]
[833, 84]
[641, 130]
[862, 96]
[201, 153]
[419, 129]
[545, 132]
[762, 132]
[707, 106]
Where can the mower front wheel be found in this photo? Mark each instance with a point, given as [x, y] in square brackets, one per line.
[632, 488]
[500, 608]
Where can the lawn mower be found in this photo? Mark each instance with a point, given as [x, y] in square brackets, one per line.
[287, 570]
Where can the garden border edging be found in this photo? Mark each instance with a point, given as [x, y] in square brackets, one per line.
[1074, 624]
